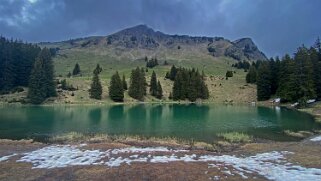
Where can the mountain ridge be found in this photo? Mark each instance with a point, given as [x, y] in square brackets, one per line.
[141, 40]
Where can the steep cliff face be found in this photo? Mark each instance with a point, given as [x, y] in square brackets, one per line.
[139, 41]
[246, 49]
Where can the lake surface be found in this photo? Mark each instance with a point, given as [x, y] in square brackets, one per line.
[201, 122]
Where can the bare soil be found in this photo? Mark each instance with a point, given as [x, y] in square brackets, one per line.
[307, 154]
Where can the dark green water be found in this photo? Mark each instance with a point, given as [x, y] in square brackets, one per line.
[184, 121]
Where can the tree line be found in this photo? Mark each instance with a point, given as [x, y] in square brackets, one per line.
[16, 62]
[41, 81]
[23, 64]
[293, 79]
[188, 84]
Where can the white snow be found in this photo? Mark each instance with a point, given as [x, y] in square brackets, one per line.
[61, 156]
[295, 104]
[4, 158]
[277, 100]
[318, 138]
[311, 101]
[271, 165]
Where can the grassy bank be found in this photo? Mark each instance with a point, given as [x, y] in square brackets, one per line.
[225, 141]
[315, 110]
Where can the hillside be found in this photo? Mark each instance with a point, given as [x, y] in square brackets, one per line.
[140, 41]
[126, 49]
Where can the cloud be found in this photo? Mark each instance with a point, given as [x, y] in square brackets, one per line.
[277, 26]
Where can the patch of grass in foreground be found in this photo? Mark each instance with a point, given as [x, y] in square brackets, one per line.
[236, 137]
[75, 137]
[81, 137]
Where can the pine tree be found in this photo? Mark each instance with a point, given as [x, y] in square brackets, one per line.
[137, 86]
[116, 91]
[192, 87]
[97, 70]
[286, 88]
[251, 75]
[186, 78]
[37, 90]
[124, 83]
[7, 66]
[204, 91]
[177, 87]
[316, 62]
[96, 89]
[159, 90]
[274, 74]
[153, 84]
[76, 70]
[143, 82]
[167, 75]
[263, 82]
[172, 73]
[48, 67]
[304, 75]
[189, 84]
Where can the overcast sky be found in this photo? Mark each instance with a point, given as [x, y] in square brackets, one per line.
[276, 26]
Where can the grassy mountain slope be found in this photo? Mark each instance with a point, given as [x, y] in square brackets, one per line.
[126, 50]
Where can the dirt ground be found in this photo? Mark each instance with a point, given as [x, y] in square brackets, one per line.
[306, 153]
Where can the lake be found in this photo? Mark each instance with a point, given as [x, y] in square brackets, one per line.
[200, 122]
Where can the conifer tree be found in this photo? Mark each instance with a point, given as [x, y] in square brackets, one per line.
[96, 89]
[97, 70]
[137, 86]
[41, 83]
[173, 72]
[76, 70]
[251, 75]
[316, 63]
[167, 75]
[16, 62]
[37, 90]
[286, 87]
[48, 67]
[124, 83]
[116, 91]
[159, 90]
[192, 87]
[204, 91]
[303, 75]
[153, 84]
[143, 82]
[263, 82]
[274, 74]
[189, 84]
[177, 87]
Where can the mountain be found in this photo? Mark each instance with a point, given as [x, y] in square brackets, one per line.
[140, 41]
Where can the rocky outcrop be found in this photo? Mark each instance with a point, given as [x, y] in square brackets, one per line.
[144, 40]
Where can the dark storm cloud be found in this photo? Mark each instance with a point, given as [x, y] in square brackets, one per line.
[277, 26]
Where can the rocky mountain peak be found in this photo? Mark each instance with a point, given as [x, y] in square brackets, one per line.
[139, 30]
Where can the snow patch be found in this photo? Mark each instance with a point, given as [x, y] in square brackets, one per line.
[271, 165]
[61, 156]
[318, 138]
[311, 101]
[5, 158]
